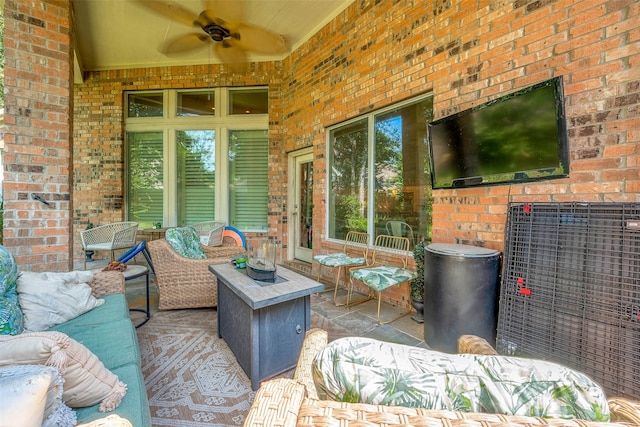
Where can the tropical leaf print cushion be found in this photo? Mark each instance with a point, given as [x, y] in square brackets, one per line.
[380, 278]
[185, 241]
[338, 259]
[11, 318]
[363, 370]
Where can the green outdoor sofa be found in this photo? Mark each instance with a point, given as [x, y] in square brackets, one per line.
[106, 331]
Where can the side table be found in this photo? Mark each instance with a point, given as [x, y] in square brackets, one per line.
[264, 324]
[133, 272]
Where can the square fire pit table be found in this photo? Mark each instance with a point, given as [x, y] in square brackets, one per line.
[263, 323]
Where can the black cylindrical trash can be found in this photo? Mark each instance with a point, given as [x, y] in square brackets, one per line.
[460, 294]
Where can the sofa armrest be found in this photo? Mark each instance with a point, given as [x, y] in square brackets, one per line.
[473, 344]
[277, 403]
[107, 283]
[315, 339]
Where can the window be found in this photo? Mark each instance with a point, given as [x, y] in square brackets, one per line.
[145, 105]
[379, 173]
[248, 101]
[196, 169]
[196, 103]
[189, 160]
[248, 178]
[145, 177]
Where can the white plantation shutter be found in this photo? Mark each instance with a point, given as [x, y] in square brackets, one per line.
[196, 176]
[145, 178]
[248, 179]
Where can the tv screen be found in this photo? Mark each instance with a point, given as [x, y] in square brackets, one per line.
[515, 138]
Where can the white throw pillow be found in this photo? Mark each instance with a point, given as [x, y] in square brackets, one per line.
[21, 388]
[48, 299]
[32, 396]
[24, 396]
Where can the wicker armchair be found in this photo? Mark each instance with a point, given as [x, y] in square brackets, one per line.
[185, 282]
[293, 402]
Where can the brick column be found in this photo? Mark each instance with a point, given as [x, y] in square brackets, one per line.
[37, 157]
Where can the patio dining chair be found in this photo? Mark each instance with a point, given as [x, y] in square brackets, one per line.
[109, 237]
[354, 252]
[379, 275]
[400, 228]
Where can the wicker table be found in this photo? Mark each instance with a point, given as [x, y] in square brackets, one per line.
[263, 324]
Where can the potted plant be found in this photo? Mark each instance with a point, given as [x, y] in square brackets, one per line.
[417, 284]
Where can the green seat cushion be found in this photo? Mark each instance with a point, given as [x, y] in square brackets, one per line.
[114, 343]
[364, 370]
[380, 278]
[185, 241]
[134, 405]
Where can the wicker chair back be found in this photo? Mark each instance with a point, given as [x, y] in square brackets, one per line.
[109, 237]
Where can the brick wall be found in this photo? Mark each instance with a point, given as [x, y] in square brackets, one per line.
[373, 54]
[98, 148]
[37, 155]
[468, 52]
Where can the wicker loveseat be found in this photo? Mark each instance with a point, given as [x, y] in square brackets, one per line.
[294, 402]
[185, 282]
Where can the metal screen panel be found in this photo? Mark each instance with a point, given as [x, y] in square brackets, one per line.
[570, 289]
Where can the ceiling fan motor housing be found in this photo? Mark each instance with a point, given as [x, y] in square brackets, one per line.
[216, 32]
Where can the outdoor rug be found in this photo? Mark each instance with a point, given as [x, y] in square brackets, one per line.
[191, 375]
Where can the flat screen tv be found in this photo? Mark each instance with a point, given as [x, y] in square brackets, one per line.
[516, 138]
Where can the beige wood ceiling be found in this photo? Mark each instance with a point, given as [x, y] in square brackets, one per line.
[121, 34]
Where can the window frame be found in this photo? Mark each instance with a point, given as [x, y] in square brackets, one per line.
[222, 123]
[370, 117]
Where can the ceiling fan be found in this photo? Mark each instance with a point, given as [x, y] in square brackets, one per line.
[221, 24]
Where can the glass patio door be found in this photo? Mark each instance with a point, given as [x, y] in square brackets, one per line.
[303, 207]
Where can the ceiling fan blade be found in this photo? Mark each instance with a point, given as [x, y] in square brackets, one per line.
[170, 10]
[225, 13]
[255, 39]
[186, 42]
[232, 56]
